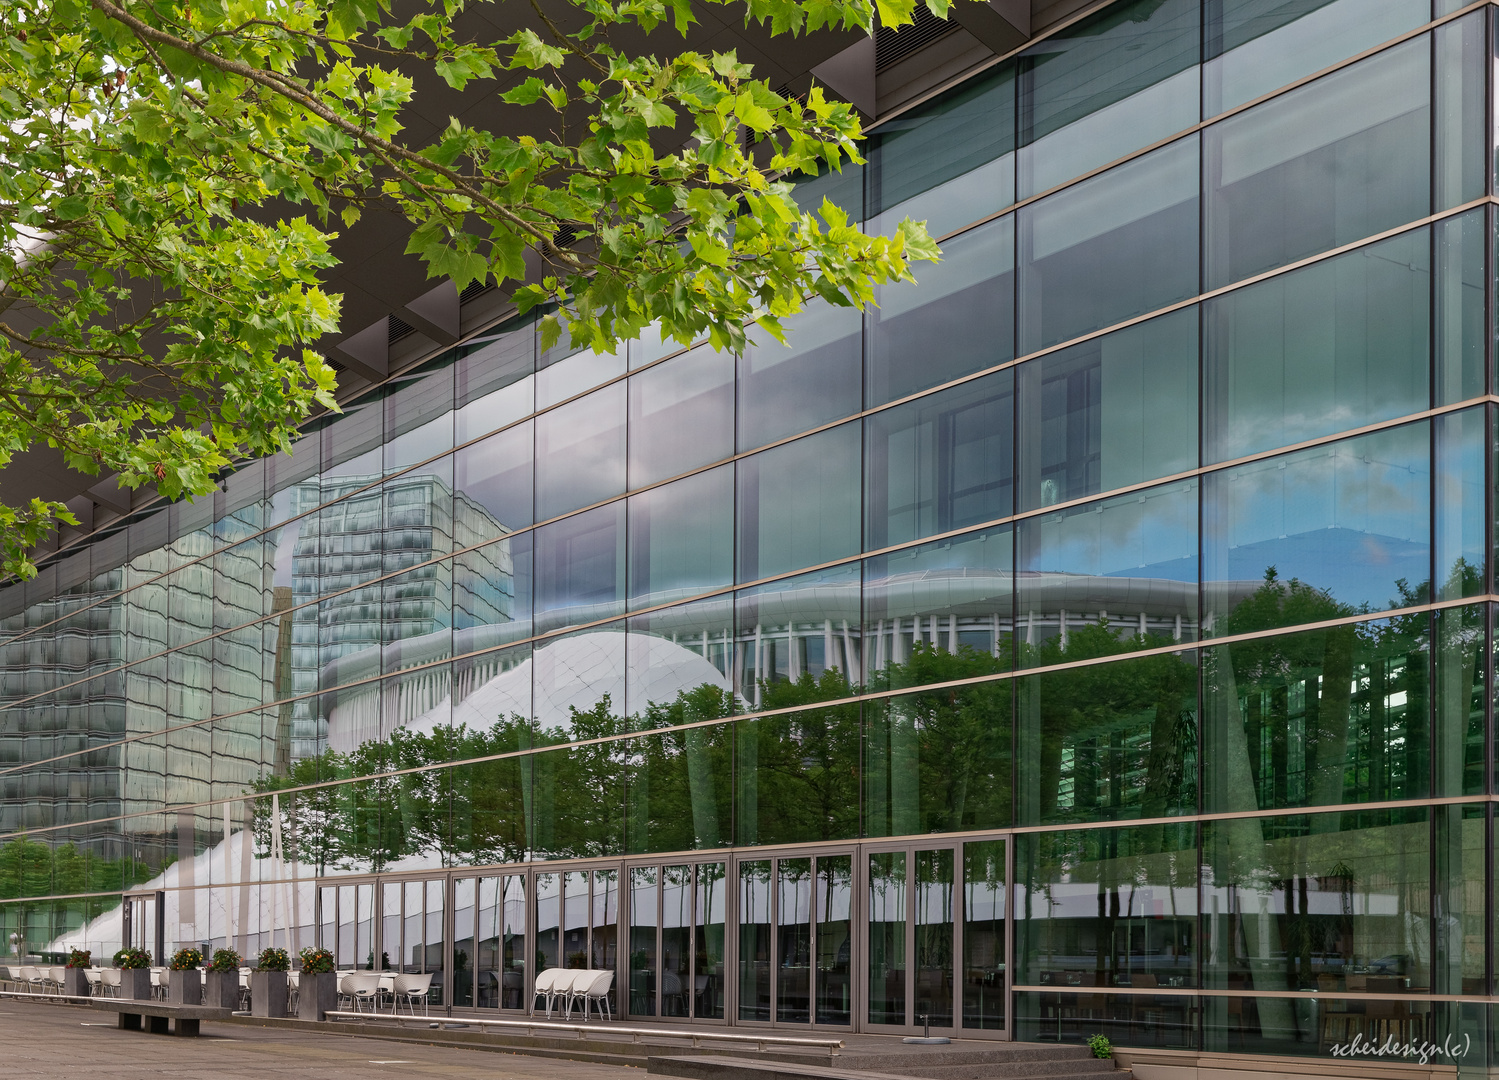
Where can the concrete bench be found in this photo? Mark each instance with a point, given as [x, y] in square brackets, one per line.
[184, 1018]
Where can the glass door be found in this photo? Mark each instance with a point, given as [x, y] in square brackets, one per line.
[796, 940]
[936, 937]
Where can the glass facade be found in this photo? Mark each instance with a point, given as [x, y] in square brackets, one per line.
[1096, 636]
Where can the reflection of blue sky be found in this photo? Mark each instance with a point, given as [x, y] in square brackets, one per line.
[1148, 534]
[1351, 518]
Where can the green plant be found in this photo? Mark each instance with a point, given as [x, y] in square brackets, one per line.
[225, 960]
[1100, 1046]
[132, 959]
[79, 958]
[577, 960]
[188, 959]
[316, 961]
[274, 960]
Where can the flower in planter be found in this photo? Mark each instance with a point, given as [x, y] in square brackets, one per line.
[274, 960]
[225, 960]
[317, 961]
[187, 960]
[79, 958]
[132, 959]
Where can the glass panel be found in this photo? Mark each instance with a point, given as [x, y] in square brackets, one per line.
[1459, 145]
[812, 379]
[676, 939]
[795, 638]
[1110, 248]
[1109, 741]
[887, 937]
[755, 948]
[793, 940]
[390, 928]
[410, 957]
[493, 480]
[643, 941]
[575, 912]
[1459, 761]
[1460, 506]
[939, 761]
[580, 791]
[799, 504]
[434, 957]
[580, 452]
[844, 189]
[1103, 908]
[1458, 960]
[1318, 718]
[1255, 46]
[833, 894]
[672, 655]
[682, 538]
[984, 934]
[1112, 576]
[1460, 248]
[680, 783]
[548, 921]
[940, 463]
[681, 415]
[797, 776]
[1333, 346]
[1105, 86]
[562, 373]
[1318, 534]
[1331, 901]
[934, 938]
[940, 609]
[708, 942]
[1090, 416]
[580, 568]
[493, 382]
[605, 955]
[966, 301]
[949, 161]
[502, 942]
[1337, 160]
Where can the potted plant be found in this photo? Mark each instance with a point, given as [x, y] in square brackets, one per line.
[135, 973]
[74, 980]
[185, 983]
[317, 987]
[268, 989]
[221, 980]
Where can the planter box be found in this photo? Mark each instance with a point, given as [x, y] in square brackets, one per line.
[135, 984]
[185, 987]
[223, 989]
[268, 993]
[75, 982]
[317, 995]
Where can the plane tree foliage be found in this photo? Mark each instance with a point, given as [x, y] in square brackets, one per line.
[173, 174]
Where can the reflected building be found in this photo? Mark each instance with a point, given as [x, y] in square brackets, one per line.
[1095, 637]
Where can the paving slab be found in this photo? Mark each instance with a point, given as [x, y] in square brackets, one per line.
[53, 1041]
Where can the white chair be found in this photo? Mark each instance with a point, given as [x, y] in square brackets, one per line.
[93, 977]
[387, 989]
[552, 984]
[161, 980]
[109, 982]
[594, 989]
[32, 977]
[57, 978]
[409, 988]
[293, 990]
[363, 989]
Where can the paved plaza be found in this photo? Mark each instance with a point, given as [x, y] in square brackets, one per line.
[52, 1042]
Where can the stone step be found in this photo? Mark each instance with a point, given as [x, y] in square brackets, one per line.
[853, 1067]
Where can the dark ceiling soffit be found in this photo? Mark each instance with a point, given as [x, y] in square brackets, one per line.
[1002, 25]
[435, 313]
[367, 353]
[850, 74]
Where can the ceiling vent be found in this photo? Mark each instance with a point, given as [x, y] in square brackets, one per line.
[892, 45]
[398, 328]
[477, 287]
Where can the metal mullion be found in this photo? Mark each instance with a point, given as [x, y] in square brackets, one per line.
[957, 908]
[1009, 932]
[910, 937]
